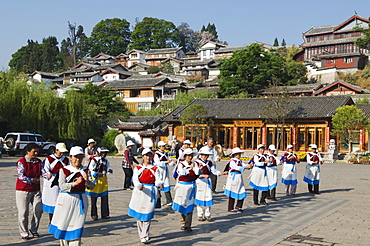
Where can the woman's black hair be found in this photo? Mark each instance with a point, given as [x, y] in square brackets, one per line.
[31, 146]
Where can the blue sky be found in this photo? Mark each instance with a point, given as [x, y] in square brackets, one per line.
[239, 22]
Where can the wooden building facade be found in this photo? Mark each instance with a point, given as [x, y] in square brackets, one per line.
[241, 122]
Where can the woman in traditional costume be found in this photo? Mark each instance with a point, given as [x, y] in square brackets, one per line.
[187, 172]
[71, 208]
[289, 172]
[234, 187]
[146, 178]
[51, 166]
[99, 168]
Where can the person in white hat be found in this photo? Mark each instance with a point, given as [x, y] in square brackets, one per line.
[162, 160]
[312, 175]
[258, 178]
[128, 165]
[98, 169]
[213, 158]
[289, 172]
[146, 179]
[51, 166]
[184, 199]
[272, 172]
[185, 145]
[91, 151]
[203, 198]
[234, 187]
[72, 203]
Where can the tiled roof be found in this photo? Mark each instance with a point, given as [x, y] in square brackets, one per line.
[136, 82]
[175, 114]
[295, 88]
[165, 50]
[355, 87]
[320, 29]
[251, 108]
[84, 75]
[364, 108]
[230, 49]
[330, 41]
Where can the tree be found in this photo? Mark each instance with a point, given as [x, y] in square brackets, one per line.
[277, 109]
[283, 43]
[211, 28]
[364, 41]
[197, 118]
[49, 54]
[153, 33]
[34, 107]
[347, 123]
[189, 39]
[110, 36]
[103, 102]
[153, 69]
[276, 42]
[74, 47]
[27, 59]
[296, 73]
[108, 139]
[167, 68]
[249, 70]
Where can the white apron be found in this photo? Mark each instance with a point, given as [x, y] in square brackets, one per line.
[312, 174]
[289, 174]
[203, 195]
[184, 197]
[234, 187]
[142, 202]
[69, 215]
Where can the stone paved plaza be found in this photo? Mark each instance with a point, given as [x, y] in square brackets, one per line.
[338, 216]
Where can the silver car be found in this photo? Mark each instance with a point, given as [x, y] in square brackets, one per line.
[15, 142]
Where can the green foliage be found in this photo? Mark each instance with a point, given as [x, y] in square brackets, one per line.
[153, 33]
[296, 73]
[211, 28]
[194, 114]
[153, 69]
[276, 42]
[363, 100]
[250, 70]
[110, 36]
[194, 79]
[37, 57]
[283, 43]
[28, 58]
[167, 68]
[364, 41]
[108, 139]
[36, 108]
[75, 47]
[253, 69]
[49, 55]
[102, 101]
[348, 121]
[189, 39]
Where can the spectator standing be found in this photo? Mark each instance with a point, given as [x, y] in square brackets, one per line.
[91, 151]
[128, 165]
[28, 192]
[213, 158]
[98, 169]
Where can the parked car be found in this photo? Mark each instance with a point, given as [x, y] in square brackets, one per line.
[15, 142]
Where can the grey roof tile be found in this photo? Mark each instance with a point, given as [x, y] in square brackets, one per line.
[251, 108]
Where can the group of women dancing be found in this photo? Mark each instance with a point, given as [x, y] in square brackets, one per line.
[193, 184]
[67, 182]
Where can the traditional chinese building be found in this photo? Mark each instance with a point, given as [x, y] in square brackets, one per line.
[242, 122]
